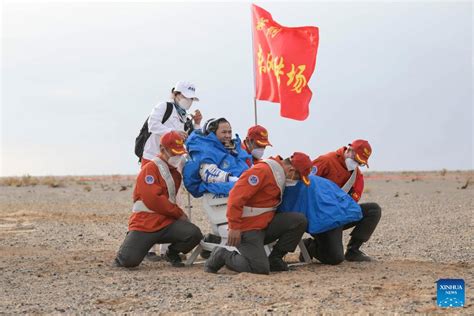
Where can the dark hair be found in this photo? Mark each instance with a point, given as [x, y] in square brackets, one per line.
[212, 125]
[175, 93]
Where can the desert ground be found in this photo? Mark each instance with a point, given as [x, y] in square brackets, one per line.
[58, 237]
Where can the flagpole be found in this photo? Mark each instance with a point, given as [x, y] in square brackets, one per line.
[255, 109]
[253, 68]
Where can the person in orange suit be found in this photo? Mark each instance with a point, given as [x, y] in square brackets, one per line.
[156, 218]
[343, 168]
[255, 143]
[253, 222]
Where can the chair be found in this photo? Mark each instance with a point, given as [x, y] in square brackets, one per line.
[215, 207]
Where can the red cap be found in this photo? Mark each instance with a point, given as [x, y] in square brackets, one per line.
[259, 134]
[174, 142]
[362, 151]
[302, 163]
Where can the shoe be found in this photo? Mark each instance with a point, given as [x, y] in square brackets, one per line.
[356, 255]
[308, 243]
[277, 264]
[211, 238]
[216, 260]
[152, 256]
[174, 258]
[353, 252]
[205, 254]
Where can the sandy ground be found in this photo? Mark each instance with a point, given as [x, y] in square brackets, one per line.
[57, 243]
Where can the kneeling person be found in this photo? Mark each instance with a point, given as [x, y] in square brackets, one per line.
[253, 222]
[156, 218]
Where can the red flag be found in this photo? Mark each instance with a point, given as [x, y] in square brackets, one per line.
[284, 59]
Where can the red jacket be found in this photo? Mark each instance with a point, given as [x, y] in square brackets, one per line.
[151, 189]
[332, 166]
[256, 187]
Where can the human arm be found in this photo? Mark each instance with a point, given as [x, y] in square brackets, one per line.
[155, 125]
[358, 187]
[152, 191]
[249, 183]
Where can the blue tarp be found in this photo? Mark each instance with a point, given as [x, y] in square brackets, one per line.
[208, 149]
[325, 205]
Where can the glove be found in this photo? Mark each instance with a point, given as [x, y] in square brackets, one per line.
[233, 179]
[211, 174]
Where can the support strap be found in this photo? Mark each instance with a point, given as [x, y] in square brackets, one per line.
[278, 174]
[166, 174]
[139, 206]
[254, 211]
[350, 183]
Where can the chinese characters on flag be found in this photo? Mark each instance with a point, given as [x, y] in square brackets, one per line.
[284, 59]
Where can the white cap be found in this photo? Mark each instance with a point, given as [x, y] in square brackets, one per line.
[187, 89]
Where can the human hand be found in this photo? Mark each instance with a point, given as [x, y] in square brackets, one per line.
[234, 237]
[184, 135]
[197, 117]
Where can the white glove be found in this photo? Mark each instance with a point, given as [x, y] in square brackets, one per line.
[233, 179]
[211, 174]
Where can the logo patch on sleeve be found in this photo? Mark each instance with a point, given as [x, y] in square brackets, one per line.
[253, 180]
[149, 179]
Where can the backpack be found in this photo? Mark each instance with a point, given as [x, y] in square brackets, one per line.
[145, 134]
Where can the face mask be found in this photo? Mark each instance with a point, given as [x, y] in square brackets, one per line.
[258, 152]
[175, 161]
[351, 164]
[185, 103]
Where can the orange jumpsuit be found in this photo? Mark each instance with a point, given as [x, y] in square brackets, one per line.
[151, 189]
[332, 166]
[256, 187]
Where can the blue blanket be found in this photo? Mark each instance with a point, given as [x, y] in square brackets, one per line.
[208, 149]
[325, 205]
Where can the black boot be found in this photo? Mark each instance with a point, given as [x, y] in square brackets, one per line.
[353, 252]
[174, 258]
[276, 261]
[216, 260]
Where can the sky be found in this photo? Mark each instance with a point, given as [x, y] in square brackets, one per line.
[78, 80]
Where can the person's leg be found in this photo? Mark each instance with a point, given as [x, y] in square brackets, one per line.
[182, 236]
[252, 257]
[327, 247]
[371, 213]
[135, 247]
[287, 228]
